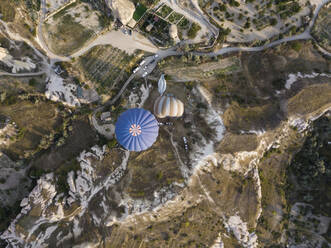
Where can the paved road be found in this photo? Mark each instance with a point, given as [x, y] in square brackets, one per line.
[27, 74]
[304, 36]
[40, 37]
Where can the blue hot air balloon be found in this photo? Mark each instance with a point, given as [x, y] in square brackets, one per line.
[136, 129]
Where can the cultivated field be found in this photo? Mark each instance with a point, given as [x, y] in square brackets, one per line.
[105, 67]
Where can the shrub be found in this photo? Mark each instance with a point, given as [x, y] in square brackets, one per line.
[223, 7]
[33, 82]
[112, 143]
[192, 33]
[273, 21]
[296, 46]
[247, 25]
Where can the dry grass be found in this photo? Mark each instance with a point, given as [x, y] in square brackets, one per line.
[67, 36]
[310, 99]
[153, 168]
[34, 120]
[232, 143]
[251, 118]
[7, 10]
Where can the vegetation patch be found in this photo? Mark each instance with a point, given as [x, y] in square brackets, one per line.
[194, 29]
[311, 169]
[139, 12]
[164, 11]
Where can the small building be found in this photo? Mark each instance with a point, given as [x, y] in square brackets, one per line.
[149, 27]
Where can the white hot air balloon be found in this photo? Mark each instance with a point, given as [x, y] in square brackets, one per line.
[168, 105]
[162, 85]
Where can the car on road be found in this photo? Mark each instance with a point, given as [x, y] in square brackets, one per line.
[152, 61]
[145, 74]
[136, 69]
[185, 143]
[156, 56]
[142, 62]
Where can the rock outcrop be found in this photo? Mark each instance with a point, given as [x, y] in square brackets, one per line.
[122, 9]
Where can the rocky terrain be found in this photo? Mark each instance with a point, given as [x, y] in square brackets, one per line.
[226, 180]
[247, 165]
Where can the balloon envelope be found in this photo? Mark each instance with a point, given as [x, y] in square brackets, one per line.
[167, 105]
[162, 84]
[136, 129]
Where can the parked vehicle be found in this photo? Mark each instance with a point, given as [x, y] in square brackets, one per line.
[142, 62]
[145, 74]
[185, 143]
[136, 69]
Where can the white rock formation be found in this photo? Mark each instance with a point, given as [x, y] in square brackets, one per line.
[239, 229]
[122, 9]
[16, 65]
[56, 90]
[292, 78]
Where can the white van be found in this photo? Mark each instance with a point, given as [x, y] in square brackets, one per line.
[142, 62]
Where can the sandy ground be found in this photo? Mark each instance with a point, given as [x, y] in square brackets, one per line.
[88, 19]
[128, 43]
